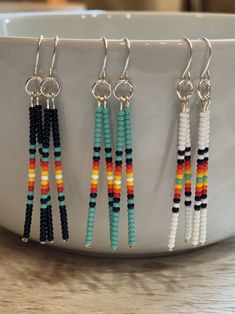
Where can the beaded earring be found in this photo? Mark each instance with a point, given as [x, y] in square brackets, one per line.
[123, 92]
[102, 91]
[199, 223]
[50, 89]
[183, 170]
[32, 87]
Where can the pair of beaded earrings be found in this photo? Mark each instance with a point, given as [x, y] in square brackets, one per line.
[123, 92]
[43, 122]
[196, 222]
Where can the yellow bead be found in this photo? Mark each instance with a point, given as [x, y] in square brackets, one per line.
[31, 170]
[59, 181]
[188, 172]
[44, 182]
[31, 179]
[130, 175]
[94, 181]
[130, 183]
[199, 185]
[179, 176]
[58, 171]
[187, 181]
[44, 173]
[95, 171]
[178, 186]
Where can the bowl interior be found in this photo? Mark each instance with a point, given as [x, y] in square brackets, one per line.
[95, 24]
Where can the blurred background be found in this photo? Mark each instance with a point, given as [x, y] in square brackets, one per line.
[226, 6]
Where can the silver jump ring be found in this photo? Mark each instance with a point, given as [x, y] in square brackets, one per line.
[204, 89]
[117, 87]
[102, 83]
[36, 90]
[187, 87]
[50, 87]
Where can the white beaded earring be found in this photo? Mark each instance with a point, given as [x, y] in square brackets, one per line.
[199, 223]
[183, 170]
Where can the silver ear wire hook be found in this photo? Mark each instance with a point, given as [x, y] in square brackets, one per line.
[186, 73]
[124, 83]
[56, 41]
[50, 87]
[206, 72]
[103, 69]
[124, 74]
[102, 82]
[37, 55]
[204, 86]
[184, 88]
[32, 85]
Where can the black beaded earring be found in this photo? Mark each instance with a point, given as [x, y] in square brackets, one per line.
[32, 87]
[50, 89]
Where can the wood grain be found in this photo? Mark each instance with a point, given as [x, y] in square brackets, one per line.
[36, 279]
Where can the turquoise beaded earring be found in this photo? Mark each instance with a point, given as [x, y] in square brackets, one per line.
[102, 91]
[123, 92]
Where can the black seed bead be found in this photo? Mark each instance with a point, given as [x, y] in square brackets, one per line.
[187, 149]
[57, 154]
[109, 194]
[28, 221]
[118, 162]
[43, 201]
[200, 152]
[50, 233]
[175, 209]
[130, 206]
[119, 153]
[96, 158]
[116, 209]
[29, 206]
[111, 203]
[92, 204]
[181, 152]
[32, 151]
[45, 155]
[187, 193]
[128, 150]
[108, 149]
[94, 195]
[204, 196]
[197, 207]
[61, 198]
[116, 200]
[200, 161]
[176, 200]
[206, 158]
[187, 158]
[129, 161]
[180, 161]
[187, 203]
[203, 205]
[43, 225]
[197, 198]
[108, 159]
[96, 149]
[30, 197]
[130, 196]
[206, 150]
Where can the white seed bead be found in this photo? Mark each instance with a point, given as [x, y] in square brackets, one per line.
[95, 176]
[32, 175]
[44, 178]
[195, 228]
[117, 182]
[203, 226]
[173, 229]
[110, 178]
[130, 179]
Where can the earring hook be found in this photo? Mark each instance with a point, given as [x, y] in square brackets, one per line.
[206, 71]
[124, 74]
[103, 69]
[186, 72]
[37, 55]
[56, 41]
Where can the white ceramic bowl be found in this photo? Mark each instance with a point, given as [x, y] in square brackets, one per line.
[158, 57]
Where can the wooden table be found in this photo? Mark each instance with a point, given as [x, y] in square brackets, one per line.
[36, 279]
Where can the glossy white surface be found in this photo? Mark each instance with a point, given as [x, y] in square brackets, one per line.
[155, 66]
